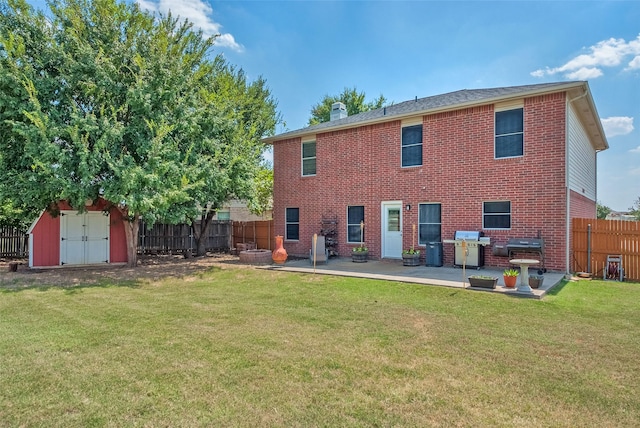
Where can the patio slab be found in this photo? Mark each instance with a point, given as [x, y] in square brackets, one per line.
[393, 270]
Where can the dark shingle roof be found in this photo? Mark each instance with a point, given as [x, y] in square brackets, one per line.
[433, 103]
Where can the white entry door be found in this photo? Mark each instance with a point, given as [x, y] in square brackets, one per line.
[392, 230]
[84, 238]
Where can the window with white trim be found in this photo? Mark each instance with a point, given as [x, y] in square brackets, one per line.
[496, 215]
[429, 223]
[412, 145]
[355, 215]
[309, 158]
[292, 224]
[509, 126]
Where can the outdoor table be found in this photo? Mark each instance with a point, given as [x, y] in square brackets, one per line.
[524, 273]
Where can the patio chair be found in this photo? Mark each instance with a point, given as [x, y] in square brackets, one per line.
[322, 254]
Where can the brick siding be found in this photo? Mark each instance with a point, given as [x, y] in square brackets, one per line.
[362, 166]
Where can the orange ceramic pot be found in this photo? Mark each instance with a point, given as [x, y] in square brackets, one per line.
[279, 255]
[510, 281]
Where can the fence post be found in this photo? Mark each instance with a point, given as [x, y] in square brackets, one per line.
[589, 248]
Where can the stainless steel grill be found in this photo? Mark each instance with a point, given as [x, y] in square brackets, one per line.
[468, 248]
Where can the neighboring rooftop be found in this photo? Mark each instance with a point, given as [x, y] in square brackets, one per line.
[621, 215]
[461, 99]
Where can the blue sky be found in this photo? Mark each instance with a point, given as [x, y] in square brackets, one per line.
[307, 49]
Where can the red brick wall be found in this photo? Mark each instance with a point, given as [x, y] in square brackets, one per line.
[361, 166]
[581, 207]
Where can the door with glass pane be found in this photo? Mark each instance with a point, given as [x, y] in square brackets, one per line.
[392, 230]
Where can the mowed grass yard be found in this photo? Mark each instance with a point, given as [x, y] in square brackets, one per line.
[246, 347]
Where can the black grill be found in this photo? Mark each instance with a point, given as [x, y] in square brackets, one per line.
[527, 245]
[518, 244]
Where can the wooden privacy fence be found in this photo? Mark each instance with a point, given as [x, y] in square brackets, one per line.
[14, 242]
[258, 232]
[161, 238]
[607, 238]
[177, 238]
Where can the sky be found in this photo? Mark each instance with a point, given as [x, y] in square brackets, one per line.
[403, 49]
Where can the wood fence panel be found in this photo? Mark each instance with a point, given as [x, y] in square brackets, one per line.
[608, 238]
[177, 238]
[164, 238]
[14, 242]
[258, 232]
[219, 236]
[161, 238]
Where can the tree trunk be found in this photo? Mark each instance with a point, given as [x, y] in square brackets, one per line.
[200, 232]
[131, 227]
[201, 248]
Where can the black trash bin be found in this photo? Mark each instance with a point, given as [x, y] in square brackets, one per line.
[434, 254]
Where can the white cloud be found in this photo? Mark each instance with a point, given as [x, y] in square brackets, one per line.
[634, 64]
[636, 150]
[620, 125]
[607, 53]
[198, 13]
[584, 73]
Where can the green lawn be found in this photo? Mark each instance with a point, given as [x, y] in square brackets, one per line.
[255, 348]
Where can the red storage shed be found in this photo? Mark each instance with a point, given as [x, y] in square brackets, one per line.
[73, 238]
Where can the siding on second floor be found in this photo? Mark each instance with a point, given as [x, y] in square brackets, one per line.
[581, 167]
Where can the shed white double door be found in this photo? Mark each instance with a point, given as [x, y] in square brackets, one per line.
[84, 238]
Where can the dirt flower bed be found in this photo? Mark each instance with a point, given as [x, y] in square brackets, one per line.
[151, 268]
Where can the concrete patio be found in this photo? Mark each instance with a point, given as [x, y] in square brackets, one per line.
[393, 270]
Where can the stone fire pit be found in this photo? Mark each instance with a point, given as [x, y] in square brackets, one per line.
[255, 257]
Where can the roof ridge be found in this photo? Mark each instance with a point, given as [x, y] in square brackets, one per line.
[425, 104]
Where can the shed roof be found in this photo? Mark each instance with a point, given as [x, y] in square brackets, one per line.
[578, 91]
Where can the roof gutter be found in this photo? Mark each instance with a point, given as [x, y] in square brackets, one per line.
[592, 106]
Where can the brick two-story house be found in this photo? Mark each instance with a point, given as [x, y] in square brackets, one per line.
[511, 162]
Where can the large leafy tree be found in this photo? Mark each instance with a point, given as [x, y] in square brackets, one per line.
[103, 99]
[10, 215]
[352, 99]
[22, 35]
[234, 117]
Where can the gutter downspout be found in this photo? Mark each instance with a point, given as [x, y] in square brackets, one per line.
[567, 239]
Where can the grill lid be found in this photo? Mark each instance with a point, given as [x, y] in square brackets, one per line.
[467, 235]
[524, 244]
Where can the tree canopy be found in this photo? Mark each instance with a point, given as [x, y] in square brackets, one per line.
[104, 100]
[264, 191]
[352, 99]
[602, 211]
